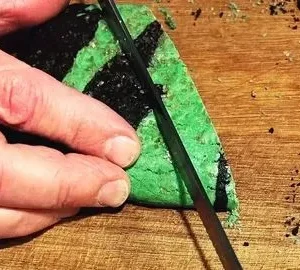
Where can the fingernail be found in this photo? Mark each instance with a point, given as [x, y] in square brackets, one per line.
[122, 151]
[113, 193]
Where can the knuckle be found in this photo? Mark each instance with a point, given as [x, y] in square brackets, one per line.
[77, 133]
[62, 199]
[18, 98]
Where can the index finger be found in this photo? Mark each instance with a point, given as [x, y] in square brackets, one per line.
[16, 14]
[34, 102]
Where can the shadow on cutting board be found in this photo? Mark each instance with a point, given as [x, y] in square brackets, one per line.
[188, 226]
[83, 213]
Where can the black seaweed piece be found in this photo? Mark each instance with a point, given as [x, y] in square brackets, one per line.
[223, 179]
[116, 84]
[52, 46]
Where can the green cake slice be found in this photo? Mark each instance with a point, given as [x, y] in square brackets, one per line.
[94, 65]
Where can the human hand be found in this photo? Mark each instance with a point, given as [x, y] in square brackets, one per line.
[40, 186]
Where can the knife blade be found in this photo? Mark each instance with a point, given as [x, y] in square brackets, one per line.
[172, 139]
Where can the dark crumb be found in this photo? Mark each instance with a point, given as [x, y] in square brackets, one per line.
[293, 218]
[287, 235]
[292, 10]
[287, 198]
[246, 244]
[276, 63]
[275, 8]
[298, 184]
[221, 14]
[271, 130]
[292, 178]
[297, 171]
[288, 222]
[294, 198]
[196, 13]
[293, 185]
[194, 24]
[298, 4]
[283, 10]
[295, 230]
[296, 19]
[294, 27]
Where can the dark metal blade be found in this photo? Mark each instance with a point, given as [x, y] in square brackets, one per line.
[172, 139]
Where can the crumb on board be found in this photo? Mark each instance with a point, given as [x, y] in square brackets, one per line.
[288, 55]
[246, 244]
[271, 130]
[253, 94]
[292, 225]
[169, 20]
[234, 9]
[295, 230]
[259, 2]
[197, 13]
[277, 7]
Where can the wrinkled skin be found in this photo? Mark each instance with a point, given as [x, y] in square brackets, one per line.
[40, 186]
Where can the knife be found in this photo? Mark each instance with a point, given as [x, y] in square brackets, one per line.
[172, 139]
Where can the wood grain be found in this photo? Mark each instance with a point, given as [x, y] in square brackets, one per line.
[228, 58]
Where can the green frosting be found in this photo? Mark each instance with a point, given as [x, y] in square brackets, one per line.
[154, 180]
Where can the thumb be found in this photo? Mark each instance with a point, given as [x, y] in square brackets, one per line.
[16, 14]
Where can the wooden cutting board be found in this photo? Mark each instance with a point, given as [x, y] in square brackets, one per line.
[247, 72]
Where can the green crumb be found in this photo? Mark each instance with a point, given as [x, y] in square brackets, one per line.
[232, 220]
[92, 7]
[169, 20]
[234, 9]
[80, 14]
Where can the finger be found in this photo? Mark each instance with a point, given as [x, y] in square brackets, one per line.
[15, 14]
[34, 102]
[18, 222]
[2, 139]
[36, 177]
